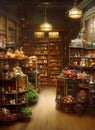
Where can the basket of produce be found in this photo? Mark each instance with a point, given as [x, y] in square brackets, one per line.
[24, 114]
[69, 73]
[68, 103]
[6, 116]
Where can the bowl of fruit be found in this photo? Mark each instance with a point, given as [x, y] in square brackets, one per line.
[68, 99]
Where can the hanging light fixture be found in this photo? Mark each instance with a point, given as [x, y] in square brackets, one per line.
[75, 13]
[45, 26]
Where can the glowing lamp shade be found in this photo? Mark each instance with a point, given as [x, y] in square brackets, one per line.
[75, 13]
[46, 26]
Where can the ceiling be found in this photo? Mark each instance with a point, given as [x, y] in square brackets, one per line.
[22, 6]
[33, 1]
[34, 11]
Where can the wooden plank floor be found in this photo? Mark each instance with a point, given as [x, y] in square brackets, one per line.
[46, 117]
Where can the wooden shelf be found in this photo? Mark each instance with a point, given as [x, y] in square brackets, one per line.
[48, 52]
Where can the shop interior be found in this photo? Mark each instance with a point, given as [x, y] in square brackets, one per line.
[47, 65]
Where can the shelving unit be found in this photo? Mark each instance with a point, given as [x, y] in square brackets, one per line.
[82, 59]
[92, 96]
[81, 87]
[55, 61]
[70, 92]
[65, 87]
[30, 68]
[48, 52]
[13, 89]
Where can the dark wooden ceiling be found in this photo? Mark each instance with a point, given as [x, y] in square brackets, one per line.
[36, 1]
[33, 11]
[29, 5]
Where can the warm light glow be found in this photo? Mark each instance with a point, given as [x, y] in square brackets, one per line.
[39, 34]
[46, 26]
[75, 13]
[53, 34]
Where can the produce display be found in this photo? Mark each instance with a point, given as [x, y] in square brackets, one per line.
[17, 54]
[72, 73]
[25, 114]
[16, 71]
[69, 73]
[83, 85]
[82, 96]
[68, 99]
[31, 94]
[14, 89]
[26, 111]
[6, 115]
[82, 75]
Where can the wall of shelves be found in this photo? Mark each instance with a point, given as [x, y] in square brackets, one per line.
[49, 56]
[55, 61]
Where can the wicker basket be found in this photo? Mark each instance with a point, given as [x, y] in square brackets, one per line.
[68, 107]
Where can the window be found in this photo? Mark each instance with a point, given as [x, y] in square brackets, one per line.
[90, 28]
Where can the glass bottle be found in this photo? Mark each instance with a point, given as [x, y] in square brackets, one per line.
[3, 99]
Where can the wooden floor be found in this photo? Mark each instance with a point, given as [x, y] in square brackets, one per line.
[47, 117]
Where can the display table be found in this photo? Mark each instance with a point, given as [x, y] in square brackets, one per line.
[74, 95]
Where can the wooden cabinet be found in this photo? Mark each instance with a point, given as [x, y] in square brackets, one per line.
[13, 91]
[10, 28]
[71, 92]
[65, 87]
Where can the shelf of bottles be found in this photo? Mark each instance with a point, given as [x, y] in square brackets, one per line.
[49, 57]
[83, 58]
[54, 62]
[42, 53]
[13, 91]
[43, 69]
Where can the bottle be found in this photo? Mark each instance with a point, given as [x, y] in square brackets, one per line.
[3, 99]
[6, 66]
[91, 80]
[2, 90]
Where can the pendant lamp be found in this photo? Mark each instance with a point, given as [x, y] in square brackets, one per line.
[45, 26]
[75, 13]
